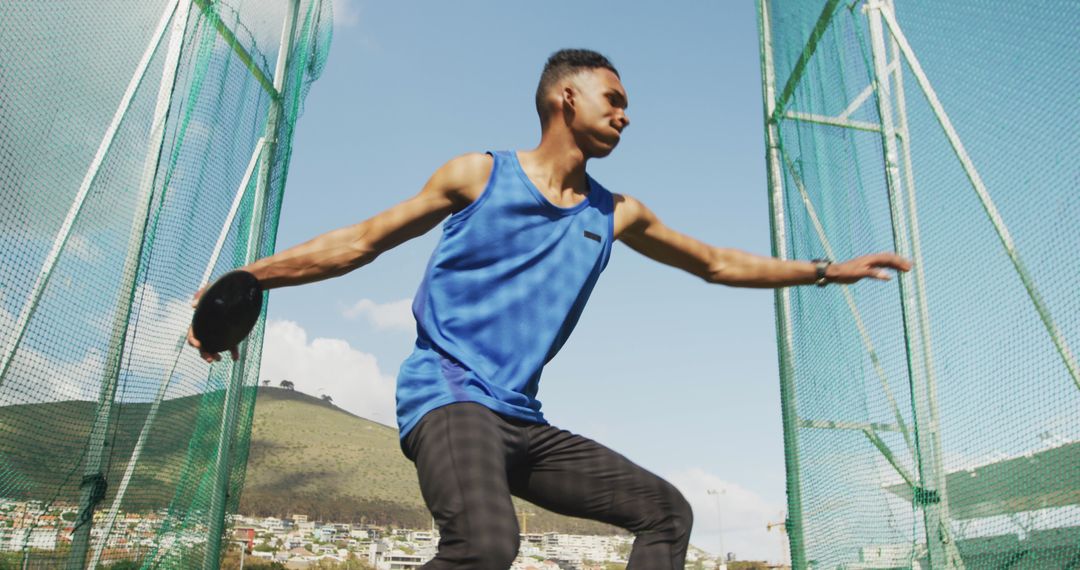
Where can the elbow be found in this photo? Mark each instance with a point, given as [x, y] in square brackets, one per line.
[736, 269]
[358, 248]
[361, 253]
[719, 269]
[732, 275]
[717, 273]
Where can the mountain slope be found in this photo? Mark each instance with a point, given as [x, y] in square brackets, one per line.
[308, 456]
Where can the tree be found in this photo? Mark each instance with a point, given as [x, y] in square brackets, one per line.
[287, 385]
[265, 382]
[326, 398]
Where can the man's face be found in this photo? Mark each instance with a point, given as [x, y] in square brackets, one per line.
[599, 111]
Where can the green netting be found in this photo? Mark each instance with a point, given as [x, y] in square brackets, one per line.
[933, 421]
[143, 148]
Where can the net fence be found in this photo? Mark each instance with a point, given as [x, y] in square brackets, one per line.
[934, 420]
[144, 148]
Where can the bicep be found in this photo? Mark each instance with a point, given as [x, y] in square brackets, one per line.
[646, 234]
[404, 221]
[451, 188]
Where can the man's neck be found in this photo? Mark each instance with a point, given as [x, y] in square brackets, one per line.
[557, 168]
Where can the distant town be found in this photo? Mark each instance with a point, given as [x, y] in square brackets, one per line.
[300, 543]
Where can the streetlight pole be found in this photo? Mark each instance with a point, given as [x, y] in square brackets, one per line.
[243, 551]
[720, 528]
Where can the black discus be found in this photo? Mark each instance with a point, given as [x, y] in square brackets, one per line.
[227, 311]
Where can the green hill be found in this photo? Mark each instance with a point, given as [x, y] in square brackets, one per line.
[310, 457]
[42, 445]
[307, 456]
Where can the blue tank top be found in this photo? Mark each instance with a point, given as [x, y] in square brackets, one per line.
[502, 292]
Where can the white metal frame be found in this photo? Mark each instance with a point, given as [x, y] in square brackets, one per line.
[151, 416]
[84, 189]
[176, 11]
[931, 494]
[833, 121]
[96, 446]
[868, 344]
[789, 410]
[1067, 357]
[887, 85]
[234, 389]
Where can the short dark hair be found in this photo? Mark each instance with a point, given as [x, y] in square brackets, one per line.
[567, 62]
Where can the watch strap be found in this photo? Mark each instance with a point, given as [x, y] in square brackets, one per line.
[821, 266]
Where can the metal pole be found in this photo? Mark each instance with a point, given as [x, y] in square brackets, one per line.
[236, 380]
[919, 271]
[833, 121]
[241, 191]
[853, 309]
[785, 344]
[720, 528]
[931, 495]
[166, 382]
[231, 40]
[84, 189]
[93, 482]
[822, 24]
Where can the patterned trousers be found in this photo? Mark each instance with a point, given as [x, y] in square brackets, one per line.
[470, 460]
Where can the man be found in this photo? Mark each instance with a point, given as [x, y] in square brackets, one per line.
[527, 237]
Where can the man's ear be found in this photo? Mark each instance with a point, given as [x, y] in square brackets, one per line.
[567, 98]
[568, 95]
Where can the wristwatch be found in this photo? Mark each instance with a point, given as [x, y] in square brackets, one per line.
[821, 265]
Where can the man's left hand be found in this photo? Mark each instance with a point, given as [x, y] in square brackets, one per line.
[873, 266]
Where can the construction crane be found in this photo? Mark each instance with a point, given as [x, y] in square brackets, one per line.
[523, 519]
[782, 527]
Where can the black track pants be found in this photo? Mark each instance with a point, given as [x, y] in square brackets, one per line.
[470, 460]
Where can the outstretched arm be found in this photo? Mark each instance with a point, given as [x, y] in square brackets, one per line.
[640, 229]
[455, 185]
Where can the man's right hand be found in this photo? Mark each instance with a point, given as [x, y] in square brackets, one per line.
[210, 357]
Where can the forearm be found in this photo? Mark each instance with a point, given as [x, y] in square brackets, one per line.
[741, 269]
[329, 255]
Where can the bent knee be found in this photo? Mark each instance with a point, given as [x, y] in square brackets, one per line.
[673, 517]
[670, 517]
[682, 516]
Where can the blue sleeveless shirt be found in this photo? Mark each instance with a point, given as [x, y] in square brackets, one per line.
[502, 292]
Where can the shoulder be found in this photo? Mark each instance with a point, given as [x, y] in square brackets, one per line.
[463, 178]
[467, 168]
[630, 214]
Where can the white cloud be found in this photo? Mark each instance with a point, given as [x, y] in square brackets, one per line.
[156, 325]
[395, 315]
[157, 328]
[34, 378]
[744, 515]
[346, 13]
[328, 366]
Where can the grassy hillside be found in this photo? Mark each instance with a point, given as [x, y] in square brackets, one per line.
[308, 456]
[42, 445]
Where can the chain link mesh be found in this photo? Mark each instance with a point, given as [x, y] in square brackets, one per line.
[117, 443]
[935, 418]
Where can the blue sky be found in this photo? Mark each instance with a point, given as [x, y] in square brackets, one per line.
[678, 375]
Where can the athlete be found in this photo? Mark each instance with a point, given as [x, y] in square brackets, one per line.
[527, 237]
